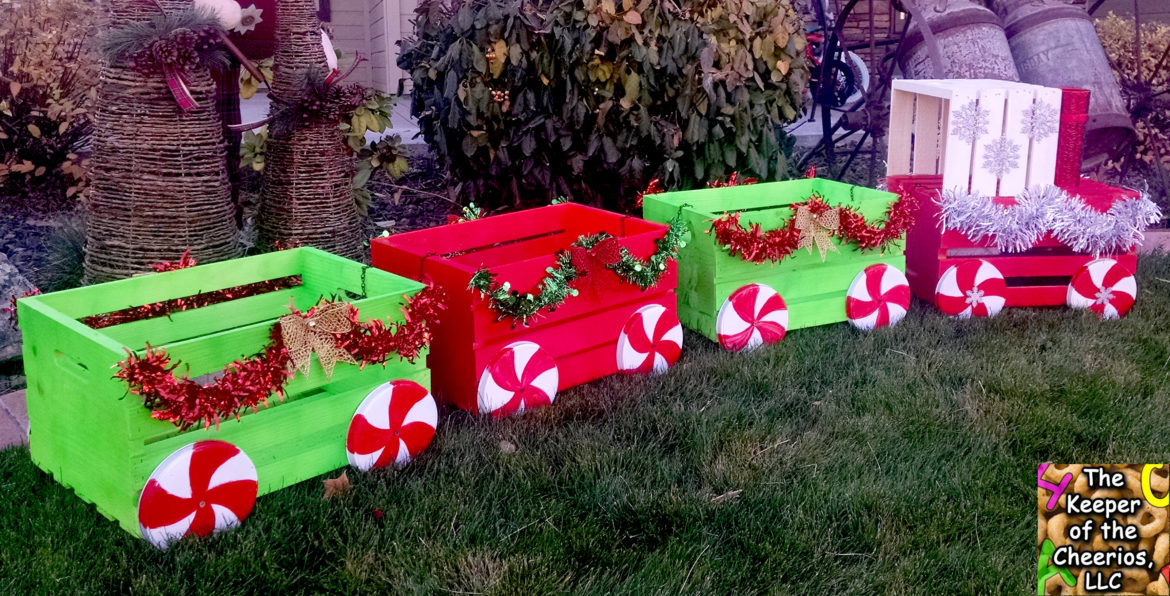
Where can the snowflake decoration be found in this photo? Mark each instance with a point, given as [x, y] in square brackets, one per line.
[970, 122]
[1039, 121]
[1001, 156]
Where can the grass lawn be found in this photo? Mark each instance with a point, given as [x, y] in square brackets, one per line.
[901, 461]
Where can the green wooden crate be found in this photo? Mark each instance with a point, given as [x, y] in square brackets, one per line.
[814, 290]
[100, 441]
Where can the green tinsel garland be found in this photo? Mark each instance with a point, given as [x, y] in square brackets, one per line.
[555, 287]
[644, 274]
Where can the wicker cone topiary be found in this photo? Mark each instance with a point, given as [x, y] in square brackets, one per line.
[307, 197]
[159, 181]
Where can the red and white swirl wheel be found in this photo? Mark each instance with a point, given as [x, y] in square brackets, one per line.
[393, 424]
[879, 296]
[204, 487]
[1105, 287]
[521, 377]
[971, 289]
[751, 316]
[651, 340]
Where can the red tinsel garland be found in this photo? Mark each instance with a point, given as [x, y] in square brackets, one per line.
[757, 246]
[655, 186]
[167, 307]
[248, 383]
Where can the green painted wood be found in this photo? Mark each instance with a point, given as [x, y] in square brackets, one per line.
[814, 290]
[212, 351]
[192, 323]
[76, 421]
[287, 443]
[148, 289]
[99, 441]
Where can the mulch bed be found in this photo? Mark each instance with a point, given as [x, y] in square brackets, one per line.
[413, 202]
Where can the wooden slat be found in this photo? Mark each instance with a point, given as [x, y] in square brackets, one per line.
[195, 323]
[147, 289]
[1042, 156]
[935, 88]
[901, 129]
[927, 134]
[957, 166]
[1018, 102]
[992, 101]
[212, 351]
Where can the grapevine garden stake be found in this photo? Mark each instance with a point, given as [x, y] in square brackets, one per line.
[159, 182]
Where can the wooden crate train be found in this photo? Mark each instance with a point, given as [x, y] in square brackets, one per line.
[262, 372]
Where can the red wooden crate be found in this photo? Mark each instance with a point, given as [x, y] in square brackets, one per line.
[581, 335]
[1037, 277]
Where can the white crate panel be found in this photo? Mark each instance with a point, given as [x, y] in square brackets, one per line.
[980, 135]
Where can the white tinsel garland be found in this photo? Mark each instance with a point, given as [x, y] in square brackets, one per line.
[1046, 209]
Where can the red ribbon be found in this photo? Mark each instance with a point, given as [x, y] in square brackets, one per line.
[179, 88]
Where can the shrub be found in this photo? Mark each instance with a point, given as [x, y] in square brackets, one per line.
[49, 68]
[526, 100]
[1141, 84]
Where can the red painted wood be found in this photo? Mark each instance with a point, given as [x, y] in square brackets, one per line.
[1074, 114]
[581, 335]
[923, 240]
[931, 251]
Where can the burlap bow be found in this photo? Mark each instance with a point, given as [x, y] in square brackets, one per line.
[306, 334]
[817, 229]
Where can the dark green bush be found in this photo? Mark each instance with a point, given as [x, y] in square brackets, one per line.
[527, 100]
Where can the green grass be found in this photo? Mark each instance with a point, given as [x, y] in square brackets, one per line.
[901, 461]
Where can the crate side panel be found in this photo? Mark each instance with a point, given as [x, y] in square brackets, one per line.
[615, 292]
[189, 324]
[696, 260]
[814, 295]
[446, 239]
[77, 413]
[287, 444]
[574, 343]
[211, 353]
[157, 287]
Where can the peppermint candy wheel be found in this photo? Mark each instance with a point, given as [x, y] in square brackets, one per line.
[199, 489]
[751, 316]
[879, 296]
[521, 377]
[651, 340]
[1103, 286]
[393, 424]
[971, 289]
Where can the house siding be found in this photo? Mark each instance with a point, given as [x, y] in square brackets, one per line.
[374, 27]
[349, 26]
